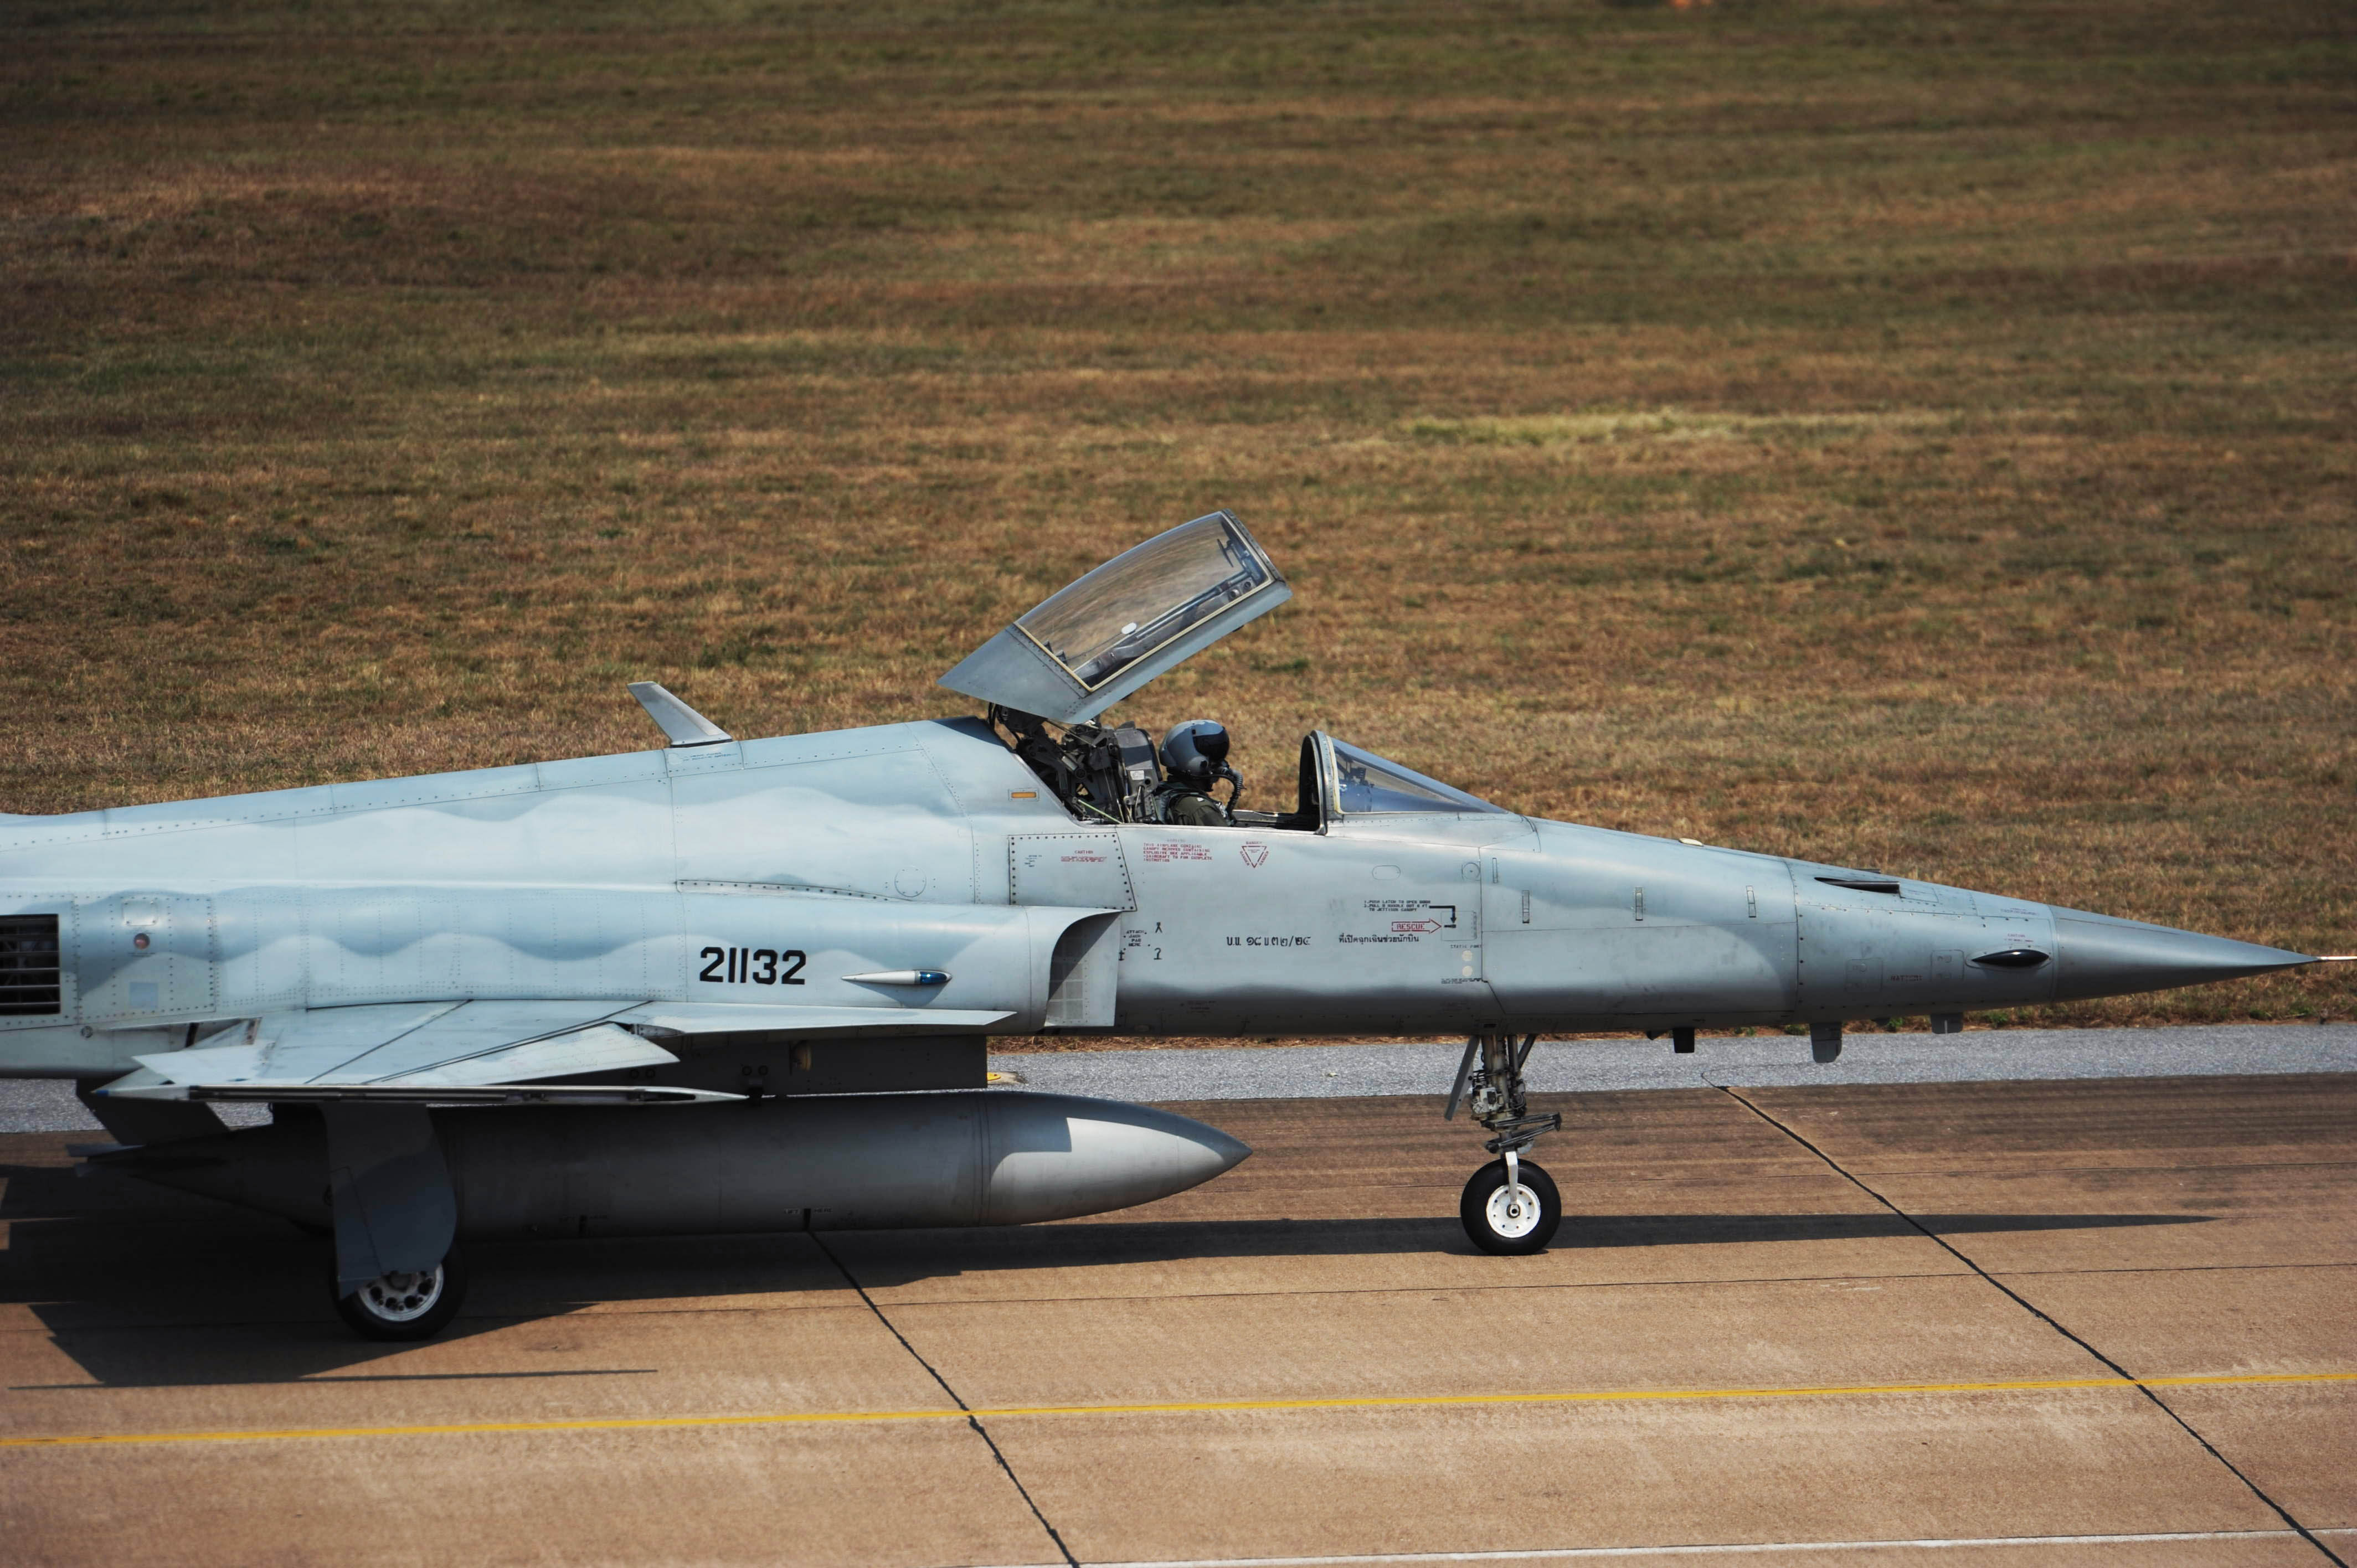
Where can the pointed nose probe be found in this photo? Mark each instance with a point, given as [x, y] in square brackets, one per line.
[2098, 955]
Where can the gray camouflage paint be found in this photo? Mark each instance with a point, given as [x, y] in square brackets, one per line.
[929, 845]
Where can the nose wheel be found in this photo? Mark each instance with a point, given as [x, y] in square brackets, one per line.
[1510, 1207]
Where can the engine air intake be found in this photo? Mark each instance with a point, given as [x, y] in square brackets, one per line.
[28, 966]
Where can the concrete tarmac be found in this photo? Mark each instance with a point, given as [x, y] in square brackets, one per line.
[2107, 1320]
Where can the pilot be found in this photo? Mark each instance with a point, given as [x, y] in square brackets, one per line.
[1193, 755]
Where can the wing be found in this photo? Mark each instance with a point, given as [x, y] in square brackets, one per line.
[664, 1020]
[489, 1052]
[441, 1051]
[454, 1041]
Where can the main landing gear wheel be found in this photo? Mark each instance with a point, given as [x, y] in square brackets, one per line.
[406, 1306]
[1511, 1220]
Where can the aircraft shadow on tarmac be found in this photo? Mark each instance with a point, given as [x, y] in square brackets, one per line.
[144, 1288]
[887, 1258]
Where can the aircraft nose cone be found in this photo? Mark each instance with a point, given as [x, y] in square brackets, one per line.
[2101, 956]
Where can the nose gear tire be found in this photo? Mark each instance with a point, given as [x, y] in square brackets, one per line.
[1511, 1224]
[406, 1306]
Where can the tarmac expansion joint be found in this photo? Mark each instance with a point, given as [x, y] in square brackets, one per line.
[973, 1419]
[2142, 1386]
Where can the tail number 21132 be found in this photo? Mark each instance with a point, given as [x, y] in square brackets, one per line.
[758, 966]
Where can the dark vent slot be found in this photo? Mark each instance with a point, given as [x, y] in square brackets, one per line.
[1863, 884]
[28, 966]
[2011, 958]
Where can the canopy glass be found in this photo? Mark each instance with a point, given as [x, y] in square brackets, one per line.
[1365, 783]
[1145, 598]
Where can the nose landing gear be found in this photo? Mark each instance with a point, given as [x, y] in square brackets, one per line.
[1510, 1207]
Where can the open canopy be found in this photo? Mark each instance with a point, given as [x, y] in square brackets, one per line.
[1088, 646]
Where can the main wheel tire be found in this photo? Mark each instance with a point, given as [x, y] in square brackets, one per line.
[1511, 1224]
[406, 1306]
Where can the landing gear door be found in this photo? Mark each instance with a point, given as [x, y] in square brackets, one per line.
[1091, 644]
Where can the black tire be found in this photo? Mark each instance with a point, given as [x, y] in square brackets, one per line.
[1490, 1229]
[406, 1307]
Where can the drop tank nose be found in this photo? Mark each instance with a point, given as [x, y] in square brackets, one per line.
[2098, 955]
[1053, 1156]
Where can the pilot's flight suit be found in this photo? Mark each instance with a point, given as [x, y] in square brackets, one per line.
[1189, 809]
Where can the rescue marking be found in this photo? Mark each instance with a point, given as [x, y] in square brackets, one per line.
[1364, 1401]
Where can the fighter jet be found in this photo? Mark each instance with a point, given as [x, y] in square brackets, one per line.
[749, 985]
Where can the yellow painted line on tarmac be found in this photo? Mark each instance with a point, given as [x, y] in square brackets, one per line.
[1190, 1407]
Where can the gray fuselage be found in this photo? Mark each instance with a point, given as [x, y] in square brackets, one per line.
[769, 871]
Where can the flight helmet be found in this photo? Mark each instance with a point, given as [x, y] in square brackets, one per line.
[1195, 751]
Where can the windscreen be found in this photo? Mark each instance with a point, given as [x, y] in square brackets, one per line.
[1369, 783]
[1143, 598]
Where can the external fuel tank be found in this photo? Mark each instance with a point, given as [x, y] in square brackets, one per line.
[821, 1163]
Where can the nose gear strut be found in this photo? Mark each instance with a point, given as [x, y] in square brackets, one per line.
[1490, 1085]
[1508, 1207]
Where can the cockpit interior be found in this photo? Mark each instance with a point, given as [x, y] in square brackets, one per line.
[1051, 677]
[1119, 774]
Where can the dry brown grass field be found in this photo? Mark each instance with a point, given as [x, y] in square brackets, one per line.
[1912, 436]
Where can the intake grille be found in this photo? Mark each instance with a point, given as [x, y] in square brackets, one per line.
[28, 966]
